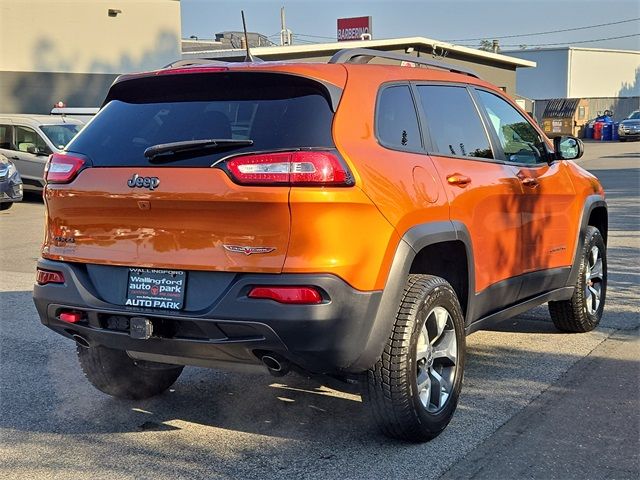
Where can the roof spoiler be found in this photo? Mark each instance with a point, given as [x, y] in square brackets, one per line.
[365, 55]
[192, 63]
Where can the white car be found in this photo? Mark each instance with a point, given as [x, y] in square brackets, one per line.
[28, 140]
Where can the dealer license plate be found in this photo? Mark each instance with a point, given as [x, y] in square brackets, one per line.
[152, 288]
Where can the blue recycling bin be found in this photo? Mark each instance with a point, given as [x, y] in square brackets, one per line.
[588, 130]
[615, 135]
[607, 132]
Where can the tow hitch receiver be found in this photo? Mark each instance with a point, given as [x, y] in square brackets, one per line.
[140, 328]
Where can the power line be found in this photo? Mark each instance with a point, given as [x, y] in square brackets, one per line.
[570, 43]
[302, 40]
[315, 36]
[306, 36]
[547, 32]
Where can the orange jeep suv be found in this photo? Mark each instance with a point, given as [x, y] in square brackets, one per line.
[350, 219]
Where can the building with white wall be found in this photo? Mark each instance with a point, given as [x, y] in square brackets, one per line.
[571, 72]
[71, 50]
[609, 79]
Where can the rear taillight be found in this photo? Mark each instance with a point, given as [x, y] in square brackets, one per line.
[291, 295]
[63, 167]
[44, 277]
[312, 168]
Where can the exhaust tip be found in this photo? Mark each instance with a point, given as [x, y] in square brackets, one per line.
[271, 363]
[81, 341]
[278, 367]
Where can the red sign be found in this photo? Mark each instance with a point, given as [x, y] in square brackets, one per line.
[353, 28]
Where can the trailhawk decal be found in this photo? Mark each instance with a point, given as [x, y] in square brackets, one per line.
[248, 250]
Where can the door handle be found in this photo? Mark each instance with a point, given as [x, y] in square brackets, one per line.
[529, 182]
[458, 179]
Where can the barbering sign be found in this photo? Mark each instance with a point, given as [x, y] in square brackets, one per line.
[354, 28]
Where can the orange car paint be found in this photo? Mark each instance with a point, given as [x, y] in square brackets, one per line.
[350, 232]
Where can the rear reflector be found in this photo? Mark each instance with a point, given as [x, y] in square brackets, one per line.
[70, 317]
[292, 295]
[44, 277]
[63, 167]
[312, 167]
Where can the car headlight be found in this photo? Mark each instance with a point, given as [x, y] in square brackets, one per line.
[11, 170]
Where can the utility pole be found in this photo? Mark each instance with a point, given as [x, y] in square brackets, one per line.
[286, 37]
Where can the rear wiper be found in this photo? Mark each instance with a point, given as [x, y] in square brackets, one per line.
[193, 146]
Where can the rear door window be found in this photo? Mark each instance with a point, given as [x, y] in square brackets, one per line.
[397, 119]
[275, 111]
[454, 122]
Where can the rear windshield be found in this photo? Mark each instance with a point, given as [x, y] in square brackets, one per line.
[275, 111]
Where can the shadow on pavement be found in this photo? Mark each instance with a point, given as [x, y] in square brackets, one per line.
[47, 392]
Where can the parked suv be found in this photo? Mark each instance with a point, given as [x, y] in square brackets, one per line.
[347, 219]
[28, 140]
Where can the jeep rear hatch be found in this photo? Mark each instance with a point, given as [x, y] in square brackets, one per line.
[183, 204]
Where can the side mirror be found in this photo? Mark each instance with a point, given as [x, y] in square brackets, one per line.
[568, 148]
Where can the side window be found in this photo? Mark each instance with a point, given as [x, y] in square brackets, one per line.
[520, 141]
[6, 137]
[397, 119]
[27, 137]
[454, 122]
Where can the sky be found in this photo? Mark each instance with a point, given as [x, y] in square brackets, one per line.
[460, 20]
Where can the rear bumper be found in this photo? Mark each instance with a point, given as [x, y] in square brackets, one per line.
[226, 327]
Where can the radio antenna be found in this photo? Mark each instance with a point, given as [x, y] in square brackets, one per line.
[248, 57]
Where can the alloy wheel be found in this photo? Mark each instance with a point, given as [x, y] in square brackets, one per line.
[594, 280]
[436, 359]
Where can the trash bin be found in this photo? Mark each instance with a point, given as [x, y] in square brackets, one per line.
[588, 130]
[607, 132]
[615, 135]
[597, 130]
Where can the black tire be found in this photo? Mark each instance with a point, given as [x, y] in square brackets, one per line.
[115, 373]
[6, 206]
[580, 313]
[622, 139]
[391, 387]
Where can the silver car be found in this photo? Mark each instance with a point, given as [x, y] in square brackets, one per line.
[28, 140]
[630, 127]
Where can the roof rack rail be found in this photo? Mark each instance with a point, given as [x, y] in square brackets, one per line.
[365, 55]
[192, 62]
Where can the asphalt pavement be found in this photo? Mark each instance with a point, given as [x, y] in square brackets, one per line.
[536, 403]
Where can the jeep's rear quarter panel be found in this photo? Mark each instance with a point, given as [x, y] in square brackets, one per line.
[404, 186]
